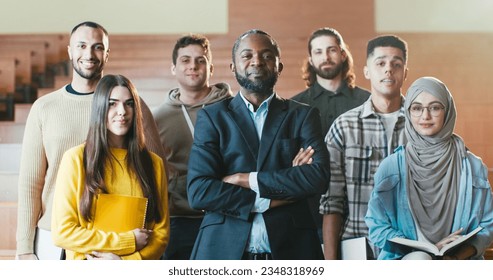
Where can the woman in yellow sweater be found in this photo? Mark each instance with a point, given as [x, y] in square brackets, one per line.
[115, 161]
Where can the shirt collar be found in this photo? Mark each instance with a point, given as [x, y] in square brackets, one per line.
[368, 109]
[70, 89]
[319, 90]
[265, 104]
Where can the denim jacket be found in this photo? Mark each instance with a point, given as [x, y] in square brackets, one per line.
[389, 214]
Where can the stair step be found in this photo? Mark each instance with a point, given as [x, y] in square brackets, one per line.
[11, 132]
[10, 159]
[7, 254]
[8, 186]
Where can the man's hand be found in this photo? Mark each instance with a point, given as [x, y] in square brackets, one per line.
[239, 179]
[304, 156]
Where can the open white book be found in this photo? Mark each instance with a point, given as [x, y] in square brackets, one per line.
[431, 248]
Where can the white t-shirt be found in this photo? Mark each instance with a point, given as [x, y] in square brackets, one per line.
[389, 121]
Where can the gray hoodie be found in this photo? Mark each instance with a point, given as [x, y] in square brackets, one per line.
[177, 140]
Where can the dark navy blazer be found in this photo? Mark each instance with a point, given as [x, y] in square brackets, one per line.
[226, 143]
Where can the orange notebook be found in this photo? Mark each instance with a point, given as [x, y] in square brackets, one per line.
[120, 213]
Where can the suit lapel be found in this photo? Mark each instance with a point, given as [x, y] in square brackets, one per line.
[240, 115]
[277, 113]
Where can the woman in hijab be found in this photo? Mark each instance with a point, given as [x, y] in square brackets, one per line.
[433, 189]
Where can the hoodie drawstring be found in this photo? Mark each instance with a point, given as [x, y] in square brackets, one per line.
[187, 118]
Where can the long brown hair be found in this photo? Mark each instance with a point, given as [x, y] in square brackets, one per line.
[97, 150]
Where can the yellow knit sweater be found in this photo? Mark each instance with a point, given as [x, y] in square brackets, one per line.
[77, 236]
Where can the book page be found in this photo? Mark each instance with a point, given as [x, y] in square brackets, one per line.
[354, 249]
[431, 248]
[458, 241]
[420, 245]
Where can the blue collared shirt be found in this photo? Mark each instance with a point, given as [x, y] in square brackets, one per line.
[259, 241]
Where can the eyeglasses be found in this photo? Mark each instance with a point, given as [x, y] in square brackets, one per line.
[434, 110]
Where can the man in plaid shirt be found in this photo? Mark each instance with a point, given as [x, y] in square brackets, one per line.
[360, 139]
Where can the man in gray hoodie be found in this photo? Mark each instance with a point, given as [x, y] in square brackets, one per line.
[175, 119]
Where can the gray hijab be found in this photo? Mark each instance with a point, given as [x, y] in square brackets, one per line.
[433, 165]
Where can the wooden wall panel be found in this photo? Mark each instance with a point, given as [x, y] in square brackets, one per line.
[464, 62]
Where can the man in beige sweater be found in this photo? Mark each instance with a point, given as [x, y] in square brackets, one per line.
[57, 122]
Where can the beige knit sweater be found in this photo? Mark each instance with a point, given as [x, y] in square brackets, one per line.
[56, 122]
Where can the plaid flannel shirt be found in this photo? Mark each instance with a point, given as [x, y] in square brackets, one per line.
[357, 143]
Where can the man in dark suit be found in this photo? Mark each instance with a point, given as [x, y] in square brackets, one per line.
[241, 171]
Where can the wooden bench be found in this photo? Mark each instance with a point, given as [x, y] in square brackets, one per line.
[39, 72]
[38, 51]
[23, 72]
[7, 75]
[38, 58]
[24, 88]
[29, 69]
[54, 44]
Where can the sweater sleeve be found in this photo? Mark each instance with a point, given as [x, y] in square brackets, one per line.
[334, 199]
[31, 179]
[381, 217]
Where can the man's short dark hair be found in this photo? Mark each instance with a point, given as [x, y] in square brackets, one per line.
[192, 39]
[277, 49]
[89, 24]
[387, 41]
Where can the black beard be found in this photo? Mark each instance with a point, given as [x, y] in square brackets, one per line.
[259, 86]
[328, 74]
[90, 76]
